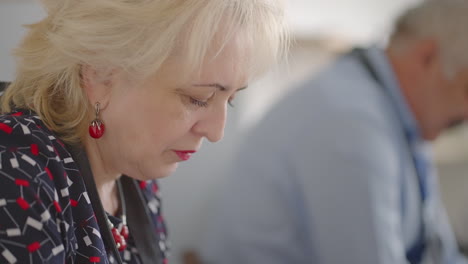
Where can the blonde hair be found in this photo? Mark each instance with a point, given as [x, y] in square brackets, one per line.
[443, 20]
[135, 36]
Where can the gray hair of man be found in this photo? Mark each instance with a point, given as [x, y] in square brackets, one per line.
[446, 21]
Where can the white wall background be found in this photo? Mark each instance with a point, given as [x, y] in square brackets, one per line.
[358, 20]
[189, 194]
[13, 14]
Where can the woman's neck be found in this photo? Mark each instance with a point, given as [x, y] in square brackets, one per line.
[103, 177]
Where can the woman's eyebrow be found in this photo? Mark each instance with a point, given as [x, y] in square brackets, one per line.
[219, 86]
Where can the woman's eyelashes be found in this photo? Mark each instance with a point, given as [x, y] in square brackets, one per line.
[205, 102]
[199, 103]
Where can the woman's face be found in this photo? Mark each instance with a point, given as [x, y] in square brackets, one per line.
[154, 125]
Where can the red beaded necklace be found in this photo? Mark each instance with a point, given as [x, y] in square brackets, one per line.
[120, 234]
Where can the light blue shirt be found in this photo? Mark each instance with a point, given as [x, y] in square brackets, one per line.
[327, 177]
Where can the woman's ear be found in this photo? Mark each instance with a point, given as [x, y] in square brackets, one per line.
[97, 84]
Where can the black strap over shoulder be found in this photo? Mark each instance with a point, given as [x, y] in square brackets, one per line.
[79, 156]
[139, 222]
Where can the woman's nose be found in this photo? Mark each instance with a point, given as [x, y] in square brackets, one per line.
[211, 125]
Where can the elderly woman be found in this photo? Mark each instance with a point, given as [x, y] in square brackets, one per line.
[109, 96]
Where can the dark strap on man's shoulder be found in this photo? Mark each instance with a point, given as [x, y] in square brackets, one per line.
[360, 54]
[415, 254]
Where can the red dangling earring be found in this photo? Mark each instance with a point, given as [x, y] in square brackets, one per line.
[96, 128]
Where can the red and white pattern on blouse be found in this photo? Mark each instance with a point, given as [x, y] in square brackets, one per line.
[45, 212]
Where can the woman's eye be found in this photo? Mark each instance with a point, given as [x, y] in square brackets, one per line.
[198, 102]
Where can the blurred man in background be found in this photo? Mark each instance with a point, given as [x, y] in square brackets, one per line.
[340, 171]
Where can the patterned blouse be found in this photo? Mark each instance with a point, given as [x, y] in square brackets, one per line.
[45, 211]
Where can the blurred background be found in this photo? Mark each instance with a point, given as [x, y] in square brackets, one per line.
[321, 30]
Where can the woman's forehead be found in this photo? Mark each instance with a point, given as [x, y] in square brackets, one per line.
[231, 58]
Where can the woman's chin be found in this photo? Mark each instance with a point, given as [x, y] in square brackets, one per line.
[169, 170]
[164, 171]
[152, 174]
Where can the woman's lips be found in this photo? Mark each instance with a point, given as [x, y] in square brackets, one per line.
[184, 154]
